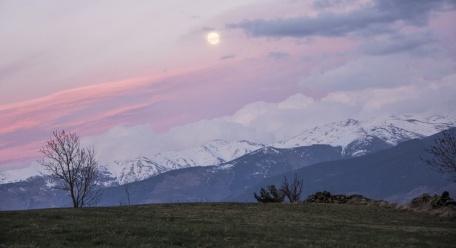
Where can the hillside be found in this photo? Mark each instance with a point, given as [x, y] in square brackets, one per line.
[396, 174]
[217, 183]
[225, 225]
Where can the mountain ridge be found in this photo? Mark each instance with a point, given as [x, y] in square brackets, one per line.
[355, 137]
[393, 173]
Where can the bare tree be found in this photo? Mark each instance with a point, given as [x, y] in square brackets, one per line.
[443, 152]
[73, 168]
[293, 190]
[127, 192]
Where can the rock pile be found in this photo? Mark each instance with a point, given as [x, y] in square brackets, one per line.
[438, 205]
[326, 197]
[441, 205]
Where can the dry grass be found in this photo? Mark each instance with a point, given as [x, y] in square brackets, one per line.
[226, 225]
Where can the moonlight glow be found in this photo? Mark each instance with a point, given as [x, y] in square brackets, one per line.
[213, 38]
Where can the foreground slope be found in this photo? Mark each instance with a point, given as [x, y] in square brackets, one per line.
[225, 225]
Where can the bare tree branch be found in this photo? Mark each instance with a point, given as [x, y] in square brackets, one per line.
[71, 166]
[293, 190]
[127, 193]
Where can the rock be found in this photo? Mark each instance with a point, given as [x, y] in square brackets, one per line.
[442, 201]
[427, 201]
[423, 201]
[320, 197]
[442, 205]
[326, 197]
[358, 200]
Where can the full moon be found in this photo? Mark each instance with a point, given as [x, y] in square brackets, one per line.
[213, 38]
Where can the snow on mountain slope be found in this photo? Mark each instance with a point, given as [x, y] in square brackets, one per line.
[213, 153]
[391, 130]
[354, 136]
[16, 175]
[336, 133]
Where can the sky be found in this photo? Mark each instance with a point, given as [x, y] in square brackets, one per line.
[138, 77]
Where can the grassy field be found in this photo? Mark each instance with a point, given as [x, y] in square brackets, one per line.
[225, 225]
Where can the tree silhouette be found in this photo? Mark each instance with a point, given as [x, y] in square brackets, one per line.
[292, 190]
[73, 168]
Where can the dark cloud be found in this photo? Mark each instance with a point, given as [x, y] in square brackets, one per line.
[322, 4]
[278, 55]
[396, 43]
[231, 56]
[373, 19]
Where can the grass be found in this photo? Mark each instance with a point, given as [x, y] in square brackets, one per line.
[225, 225]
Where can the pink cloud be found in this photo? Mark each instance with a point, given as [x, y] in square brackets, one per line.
[162, 102]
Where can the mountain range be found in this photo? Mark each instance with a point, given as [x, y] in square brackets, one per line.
[225, 170]
[355, 137]
[395, 174]
[214, 153]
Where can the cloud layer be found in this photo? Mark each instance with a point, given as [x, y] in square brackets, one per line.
[371, 18]
[137, 78]
[268, 122]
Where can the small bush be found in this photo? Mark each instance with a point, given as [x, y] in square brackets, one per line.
[269, 194]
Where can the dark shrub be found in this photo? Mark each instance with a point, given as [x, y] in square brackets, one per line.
[320, 197]
[326, 197]
[269, 194]
[426, 201]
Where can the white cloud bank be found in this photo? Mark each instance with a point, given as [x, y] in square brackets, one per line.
[266, 122]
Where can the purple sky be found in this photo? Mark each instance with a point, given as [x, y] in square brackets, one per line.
[142, 72]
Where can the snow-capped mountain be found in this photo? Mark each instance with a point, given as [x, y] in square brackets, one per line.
[213, 153]
[357, 135]
[16, 175]
[354, 136]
